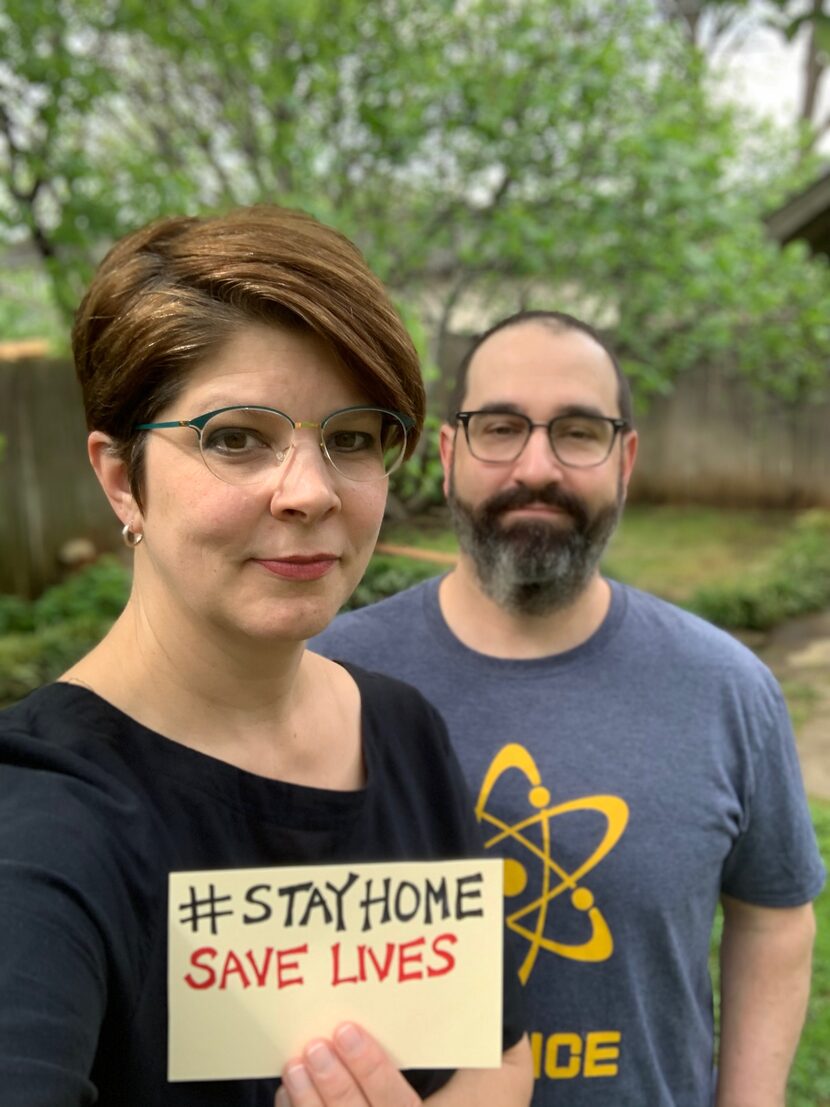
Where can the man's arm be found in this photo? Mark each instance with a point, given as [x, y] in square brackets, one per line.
[766, 956]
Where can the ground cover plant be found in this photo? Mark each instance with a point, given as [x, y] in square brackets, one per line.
[40, 639]
[810, 1080]
[809, 1084]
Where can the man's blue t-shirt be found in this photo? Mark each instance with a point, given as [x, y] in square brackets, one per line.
[628, 783]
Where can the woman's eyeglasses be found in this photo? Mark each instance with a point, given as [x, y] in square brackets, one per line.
[240, 445]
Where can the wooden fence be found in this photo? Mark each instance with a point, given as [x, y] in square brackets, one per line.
[714, 440]
[48, 493]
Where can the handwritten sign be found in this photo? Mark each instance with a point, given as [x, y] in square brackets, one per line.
[263, 960]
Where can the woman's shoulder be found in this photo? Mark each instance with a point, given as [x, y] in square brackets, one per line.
[383, 694]
[405, 731]
[65, 786]
[76, 839]
[67, 728]
[412, 763]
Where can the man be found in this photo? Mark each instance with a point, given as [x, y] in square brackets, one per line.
[632, 763]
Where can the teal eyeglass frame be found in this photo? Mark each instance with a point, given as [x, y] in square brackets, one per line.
[198, 423]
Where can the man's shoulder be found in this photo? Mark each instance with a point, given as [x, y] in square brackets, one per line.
[375, 622]
[668, 629]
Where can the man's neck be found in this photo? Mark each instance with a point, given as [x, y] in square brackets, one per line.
[482, 625]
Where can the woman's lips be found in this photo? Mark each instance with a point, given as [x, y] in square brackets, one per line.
[299, 568]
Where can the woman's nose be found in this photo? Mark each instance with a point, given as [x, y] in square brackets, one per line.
[306, 483]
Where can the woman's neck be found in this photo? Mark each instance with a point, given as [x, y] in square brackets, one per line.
[272, 709]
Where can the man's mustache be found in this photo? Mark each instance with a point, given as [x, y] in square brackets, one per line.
[552, 495]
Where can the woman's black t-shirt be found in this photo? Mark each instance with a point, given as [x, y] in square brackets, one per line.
[95, 812]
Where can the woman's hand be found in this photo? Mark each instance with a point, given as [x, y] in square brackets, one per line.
[351, 1070]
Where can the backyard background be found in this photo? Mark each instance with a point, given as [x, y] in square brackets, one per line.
[586, 155]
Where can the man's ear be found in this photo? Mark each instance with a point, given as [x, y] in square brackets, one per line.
[446, 447]
[629, 454]
[111, 472]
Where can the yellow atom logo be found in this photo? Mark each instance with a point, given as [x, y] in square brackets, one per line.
[555, 880]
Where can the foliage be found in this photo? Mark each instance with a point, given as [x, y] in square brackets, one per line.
[40, 639]
[387, 575]
[420, 482]
[52, 80]
[16, 615]
[26, 309]
[792, 18]
[796, 581]
[673, 551]
[485, 156]
[29, 660]
[95, 594]
[713, 25]
[706, 22]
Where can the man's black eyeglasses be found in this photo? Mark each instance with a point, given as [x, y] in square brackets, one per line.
[579, 441]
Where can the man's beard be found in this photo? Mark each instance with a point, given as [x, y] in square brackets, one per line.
[529, 567]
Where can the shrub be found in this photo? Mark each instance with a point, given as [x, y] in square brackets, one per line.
[419, 484]
[387, 575]
[95, 594]
[16, 615]
[795, 582]
[41, 639]
[29, 660]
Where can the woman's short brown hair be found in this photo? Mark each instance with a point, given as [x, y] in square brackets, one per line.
[168, 295]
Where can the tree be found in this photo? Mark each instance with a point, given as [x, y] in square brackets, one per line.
[52, 186]
[484, 154]
[708, 24]
[714, 26]
[814, 18]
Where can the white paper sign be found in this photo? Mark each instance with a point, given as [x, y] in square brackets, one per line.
[263, 960]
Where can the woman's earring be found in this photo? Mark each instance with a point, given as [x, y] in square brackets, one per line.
[131, 538]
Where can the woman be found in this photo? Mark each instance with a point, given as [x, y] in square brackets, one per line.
[248, 387]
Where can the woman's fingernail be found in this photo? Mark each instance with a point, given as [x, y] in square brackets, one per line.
[296, 1079]
[348, 1038]
[320, 1057]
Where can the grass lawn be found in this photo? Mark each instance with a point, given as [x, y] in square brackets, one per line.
[809, 1084]
[672, 551]
[810, 1080]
